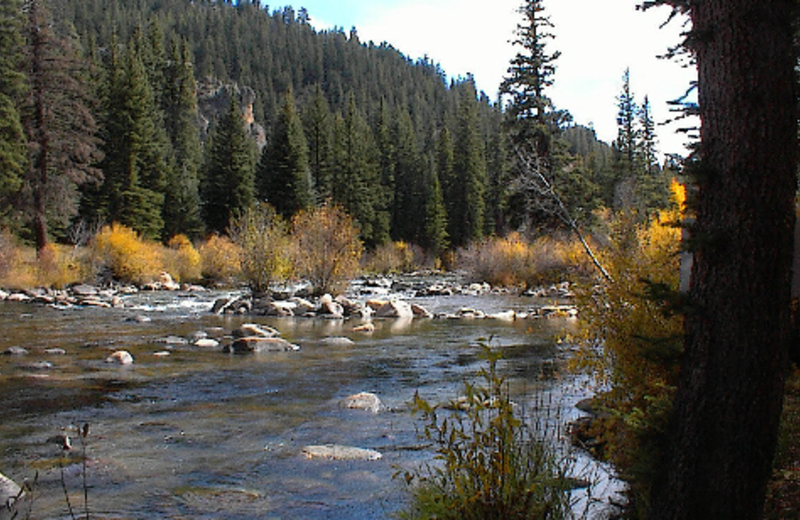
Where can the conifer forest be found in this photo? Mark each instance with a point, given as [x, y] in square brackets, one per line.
[172, 116]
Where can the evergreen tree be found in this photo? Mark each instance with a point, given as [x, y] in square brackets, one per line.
[13, 160]
[356, 183]
[59, 124]
[467, 205]
[137, 150]
[531, 117]
[228, 187]
[283, 177]
[408, 208]
[434, 238]
[317, 124]
[182, 195]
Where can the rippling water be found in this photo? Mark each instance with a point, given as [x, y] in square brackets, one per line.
[201, 434]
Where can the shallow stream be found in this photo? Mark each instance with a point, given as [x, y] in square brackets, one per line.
[202, 434]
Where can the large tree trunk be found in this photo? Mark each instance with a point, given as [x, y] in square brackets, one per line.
[729, 397]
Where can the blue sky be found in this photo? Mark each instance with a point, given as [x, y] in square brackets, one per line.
[597, 40]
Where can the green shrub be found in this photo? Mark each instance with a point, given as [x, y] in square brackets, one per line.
[489, 463]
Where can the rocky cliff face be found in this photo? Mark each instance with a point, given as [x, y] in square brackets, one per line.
[213, 98]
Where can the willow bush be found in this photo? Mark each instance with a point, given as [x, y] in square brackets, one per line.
[489, 464]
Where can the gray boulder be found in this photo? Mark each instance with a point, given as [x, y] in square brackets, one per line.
[256, 344]
[247, 330]
[337, 452]
[395, 309]
[362, 401]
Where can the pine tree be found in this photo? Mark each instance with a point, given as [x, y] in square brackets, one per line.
[434, 238]
[467, 205]
[283, 177]
[228, 187]
[137, 149]
[408, 208]
[59, 124]
[13, 159]
[317, 124]
[182, 196]
[531, 117]
[356, 183]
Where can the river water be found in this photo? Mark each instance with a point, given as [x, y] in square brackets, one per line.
[202, 434]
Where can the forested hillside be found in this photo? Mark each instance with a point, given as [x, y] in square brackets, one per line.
[184, 113]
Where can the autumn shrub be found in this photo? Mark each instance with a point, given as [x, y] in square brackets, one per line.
[182, 260]
[393, 257]
[219, 258]
[129, 257]
[8, 252]
[60, 266]
[498, 261]
[631, 339]
[489, 463]
[263, 241]
[326, 248]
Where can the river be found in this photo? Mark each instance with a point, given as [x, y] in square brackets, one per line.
[187, 432]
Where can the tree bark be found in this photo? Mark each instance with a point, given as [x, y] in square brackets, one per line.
[729, 398]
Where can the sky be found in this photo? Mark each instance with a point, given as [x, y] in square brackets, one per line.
[597, 39]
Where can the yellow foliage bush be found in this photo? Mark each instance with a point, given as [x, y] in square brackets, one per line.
[130, 258]
[393, 257]
[220, 259]
[60, 266]
[326, 248]
[511, 261]
[262, 237]
[182, 260]
[631, 338]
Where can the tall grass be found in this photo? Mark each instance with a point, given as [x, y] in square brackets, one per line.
[489, 464]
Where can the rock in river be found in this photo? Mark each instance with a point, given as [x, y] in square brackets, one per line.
[259, 344]
[120, 357]
[363, 401]
[337, 452]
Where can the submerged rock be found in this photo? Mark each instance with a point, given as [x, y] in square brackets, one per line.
[247, 330]
[256, 344]
[337, 452]
[337, 341]
[363, 401]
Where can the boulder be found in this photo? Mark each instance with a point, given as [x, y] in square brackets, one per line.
[18, 298]
[247, 330]
[376, 304]
[350, 307]
[395, 309]
[256, 344]
[362, 401]
[120, 357]
[84, 290]
[161, 353]
[10, 492]
[302, 305]
[503, 316]
[173, 340]
[337, 341]
[3, 295]
[365, 328]
[55, 351]
[206, 343]
[420, 311]
[329, 307]
[283, 308]
[337, 452]
[15, 351]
